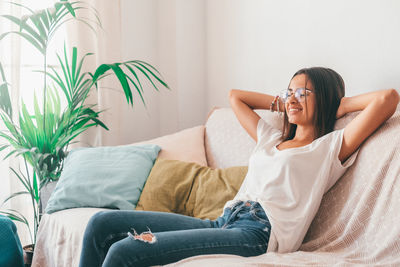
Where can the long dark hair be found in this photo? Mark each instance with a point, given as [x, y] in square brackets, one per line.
[329, 90]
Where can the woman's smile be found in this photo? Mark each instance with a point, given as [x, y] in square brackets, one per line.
[294, 110]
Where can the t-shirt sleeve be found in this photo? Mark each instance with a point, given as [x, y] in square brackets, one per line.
[266, 134]
[337, 168]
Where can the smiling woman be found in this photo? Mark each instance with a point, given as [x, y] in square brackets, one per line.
[289, 189]
[313, 113]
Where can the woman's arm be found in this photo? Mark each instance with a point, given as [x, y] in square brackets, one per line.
[243, 104]
[376, 108]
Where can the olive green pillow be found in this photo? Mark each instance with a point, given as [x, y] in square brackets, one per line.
[189, 188]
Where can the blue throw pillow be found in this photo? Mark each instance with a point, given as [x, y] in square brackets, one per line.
[103, 177]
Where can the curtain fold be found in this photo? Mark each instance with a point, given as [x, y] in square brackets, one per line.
[10, 57]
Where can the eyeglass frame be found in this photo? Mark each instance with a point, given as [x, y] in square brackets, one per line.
[299, 99]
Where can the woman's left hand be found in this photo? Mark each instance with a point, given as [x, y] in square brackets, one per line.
[341, 110]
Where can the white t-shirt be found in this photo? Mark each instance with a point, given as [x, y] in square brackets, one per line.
[289, 184]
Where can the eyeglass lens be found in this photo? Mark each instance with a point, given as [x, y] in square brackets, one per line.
[299, 94]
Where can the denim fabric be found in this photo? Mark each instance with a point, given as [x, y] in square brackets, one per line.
[118, 238]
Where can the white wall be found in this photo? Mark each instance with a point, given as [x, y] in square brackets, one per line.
[204, 48]
[258, 45]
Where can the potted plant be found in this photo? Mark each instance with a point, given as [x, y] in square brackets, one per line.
[41, 138]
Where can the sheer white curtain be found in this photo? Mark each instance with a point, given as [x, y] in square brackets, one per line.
[19, 59]
[170, 35]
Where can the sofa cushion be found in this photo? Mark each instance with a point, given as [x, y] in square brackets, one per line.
[186, 145]
[103, 177]
[189, 188]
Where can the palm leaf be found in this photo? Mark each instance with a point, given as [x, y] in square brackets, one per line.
[14, 195]
[5, 100]
[29, 38]
[24, 26]
[155, 76]
[35, 187]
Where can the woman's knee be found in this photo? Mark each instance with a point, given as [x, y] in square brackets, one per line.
[96, 225]
[98, 220]
[120, 254]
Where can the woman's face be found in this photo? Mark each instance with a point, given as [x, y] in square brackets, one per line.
[300, 110]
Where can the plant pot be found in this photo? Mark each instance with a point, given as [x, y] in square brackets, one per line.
[45, 194]
[28, 255]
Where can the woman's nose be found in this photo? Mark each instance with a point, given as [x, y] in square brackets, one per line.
[292, 99]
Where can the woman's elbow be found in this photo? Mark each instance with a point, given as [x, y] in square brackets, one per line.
[232, 93]
[392, 96]
[390, 99]
[395, 96]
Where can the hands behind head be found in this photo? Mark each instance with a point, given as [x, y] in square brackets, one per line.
[341, 110]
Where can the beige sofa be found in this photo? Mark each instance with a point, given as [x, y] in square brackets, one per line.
[357, 223]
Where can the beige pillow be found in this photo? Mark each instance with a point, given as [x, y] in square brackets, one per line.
[189, 188]
[186, 145]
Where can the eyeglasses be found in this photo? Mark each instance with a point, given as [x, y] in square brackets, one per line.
[299, 94]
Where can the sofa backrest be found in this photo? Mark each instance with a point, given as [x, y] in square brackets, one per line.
[226, 142]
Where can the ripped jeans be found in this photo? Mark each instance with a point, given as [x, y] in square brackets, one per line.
[146, 238]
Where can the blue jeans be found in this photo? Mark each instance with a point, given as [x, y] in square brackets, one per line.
[145, 238]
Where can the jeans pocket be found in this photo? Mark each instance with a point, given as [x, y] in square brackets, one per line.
[258, 214]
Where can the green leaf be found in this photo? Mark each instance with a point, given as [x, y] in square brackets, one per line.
[67, 69]
[2, 147]
[3, 76]
[70, 9]
[5, 100]
[73, 67]
[27, 125]
[23, 180]
[138, 90]
[155, 76]
[123, 81]
[57, 79]
[24, 26]
[145, 74]
[134, 74]
[100, 71]
[23, 6]
[38, 114]
[14, 195]
[14, 217]
[29, 38]
[39, 23]
[35, 187]
[10, 154]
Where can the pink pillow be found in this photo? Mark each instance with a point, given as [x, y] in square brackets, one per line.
[186, 145]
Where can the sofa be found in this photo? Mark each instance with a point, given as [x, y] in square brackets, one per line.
[357, 223]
